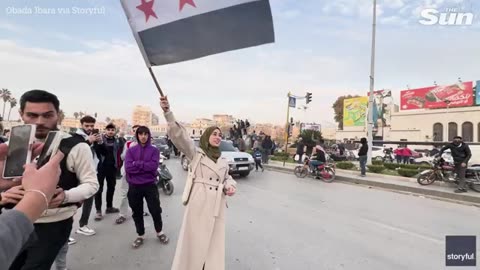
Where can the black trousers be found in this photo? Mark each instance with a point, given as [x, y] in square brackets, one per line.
[108, 173]
[258, 163]
[136, 194]
[461, 171]
[86, 210]
[42, 248]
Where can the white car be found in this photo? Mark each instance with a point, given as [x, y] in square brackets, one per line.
[447, 156]
[377, 153]
[241, 163]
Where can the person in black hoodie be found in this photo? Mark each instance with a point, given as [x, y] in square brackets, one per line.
[461, 155]
[362, 156]
[300, 150]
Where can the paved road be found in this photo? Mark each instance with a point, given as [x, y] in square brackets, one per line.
[279, 222]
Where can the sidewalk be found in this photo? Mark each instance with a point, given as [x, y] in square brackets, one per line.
[403, 184]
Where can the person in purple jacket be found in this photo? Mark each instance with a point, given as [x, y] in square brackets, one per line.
[141, 163]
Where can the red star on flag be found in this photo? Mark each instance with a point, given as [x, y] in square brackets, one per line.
[147, 8]
[184, 2]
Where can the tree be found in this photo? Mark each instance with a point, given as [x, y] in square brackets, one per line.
[108, 119]
[5, 94]
[76, 114]
[338, 109]
[82, 114]
[310, 139]
[13, 104]
[61, 116]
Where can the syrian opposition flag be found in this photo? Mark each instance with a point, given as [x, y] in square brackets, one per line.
[170, 31]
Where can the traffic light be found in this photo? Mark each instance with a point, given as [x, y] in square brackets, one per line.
[309, 97]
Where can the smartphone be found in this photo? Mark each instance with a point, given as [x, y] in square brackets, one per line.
[95, 131]
[19, 150]
[50, 147]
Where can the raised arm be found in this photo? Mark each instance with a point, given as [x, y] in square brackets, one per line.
[176, 132]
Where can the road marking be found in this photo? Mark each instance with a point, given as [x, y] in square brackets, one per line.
[400, 230]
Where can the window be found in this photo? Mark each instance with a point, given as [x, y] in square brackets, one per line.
[201, 131]
[438, 132]
[193, 132]
[467, 132]
[227, 147]
[452, 130]
[478, 129]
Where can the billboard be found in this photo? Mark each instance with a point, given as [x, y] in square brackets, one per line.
[383, 107]
[316, 127]
[354, 111]
[434, 97]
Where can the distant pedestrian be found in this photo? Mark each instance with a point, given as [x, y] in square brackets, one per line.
[241, 145]
[362, 155]
[407, 154]
[257, 156]
[267, 146]
[398, 154]
[300, 150]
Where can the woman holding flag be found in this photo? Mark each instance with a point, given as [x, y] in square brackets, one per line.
[201, 243]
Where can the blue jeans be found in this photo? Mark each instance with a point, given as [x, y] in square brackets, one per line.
[363, 164]
[315, 163]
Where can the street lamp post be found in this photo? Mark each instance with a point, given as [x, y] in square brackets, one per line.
[372, 81]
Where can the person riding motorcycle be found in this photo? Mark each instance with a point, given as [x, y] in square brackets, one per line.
[461, 155]
[319, 156]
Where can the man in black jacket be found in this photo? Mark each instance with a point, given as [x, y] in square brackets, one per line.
[363, 156]
[300, 150]
[108, 153]
[461, 155]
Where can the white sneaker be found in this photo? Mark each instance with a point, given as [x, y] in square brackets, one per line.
[71, 241]
[85, 230]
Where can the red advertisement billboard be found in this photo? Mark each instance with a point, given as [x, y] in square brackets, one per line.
[455, 95]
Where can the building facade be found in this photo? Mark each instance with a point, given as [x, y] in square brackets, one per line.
[224, 119]
[142, 115]
[121, 124]
[426, 125]
[155, 120]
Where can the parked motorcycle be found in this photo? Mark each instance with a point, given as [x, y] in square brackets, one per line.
[445, 171]
[324, 172]
[164, 178]
[388, 156]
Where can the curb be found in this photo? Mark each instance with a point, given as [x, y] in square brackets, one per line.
[395, 187]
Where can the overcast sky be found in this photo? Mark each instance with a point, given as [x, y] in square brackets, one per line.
[93, 64]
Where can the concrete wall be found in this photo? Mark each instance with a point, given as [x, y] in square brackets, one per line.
[418, 125]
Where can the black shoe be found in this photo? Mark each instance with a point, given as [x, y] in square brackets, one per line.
[460, 190]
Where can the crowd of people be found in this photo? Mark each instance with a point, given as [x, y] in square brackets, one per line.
[36, 217]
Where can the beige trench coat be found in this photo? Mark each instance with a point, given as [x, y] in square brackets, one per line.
[202, 235]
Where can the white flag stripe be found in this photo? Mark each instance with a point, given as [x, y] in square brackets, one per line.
[169, 11]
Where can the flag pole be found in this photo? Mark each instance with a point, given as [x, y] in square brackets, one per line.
[372, 81]
[155, 81]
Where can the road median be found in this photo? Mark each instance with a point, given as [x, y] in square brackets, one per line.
[400, 184]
